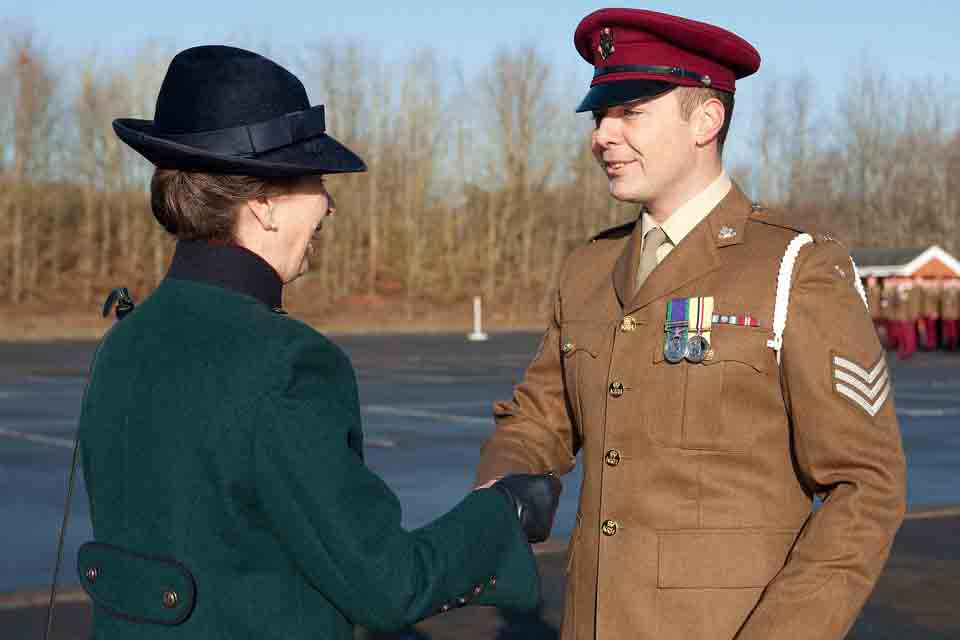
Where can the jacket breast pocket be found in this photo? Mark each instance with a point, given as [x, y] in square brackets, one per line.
[580, 347]
[723, 396]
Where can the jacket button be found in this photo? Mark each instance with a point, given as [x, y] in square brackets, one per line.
[567, 347]
[616, 389]
[609, 527]
[613, 457]
[477, 590]
[493, 582]
[170, 599]
[445, 608]
[628, 324]
[92, 574]
[462, 602]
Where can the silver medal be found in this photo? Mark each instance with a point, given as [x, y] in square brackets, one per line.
[675, 348]
[697, 348]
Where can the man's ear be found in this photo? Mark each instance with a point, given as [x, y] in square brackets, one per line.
[708, 121]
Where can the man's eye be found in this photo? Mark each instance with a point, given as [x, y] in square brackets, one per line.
[633, 113]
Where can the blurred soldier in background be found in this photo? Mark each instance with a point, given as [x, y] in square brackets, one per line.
[911, 303]
[950, 313]
[875, 305]
[889, 300]
[931, 313]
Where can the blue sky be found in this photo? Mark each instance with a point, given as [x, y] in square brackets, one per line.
[829, 39]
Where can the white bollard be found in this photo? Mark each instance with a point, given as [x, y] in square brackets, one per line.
[478, 335]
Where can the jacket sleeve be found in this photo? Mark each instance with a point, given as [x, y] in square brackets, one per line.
[342, 524]
[534, 431]
[847, 450]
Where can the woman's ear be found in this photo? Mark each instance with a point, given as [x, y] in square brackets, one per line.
[262, 210]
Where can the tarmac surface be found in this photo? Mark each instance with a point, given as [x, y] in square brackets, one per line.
[426, 405]
[915, 599]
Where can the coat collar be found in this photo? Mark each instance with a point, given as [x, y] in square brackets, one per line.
[228, 266]
[697, 254]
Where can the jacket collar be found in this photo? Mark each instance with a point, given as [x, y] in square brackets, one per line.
[229, 266]
[697, 254]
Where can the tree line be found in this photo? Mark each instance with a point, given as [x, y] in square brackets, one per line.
[477, 185]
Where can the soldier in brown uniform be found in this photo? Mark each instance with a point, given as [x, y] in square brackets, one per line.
[875, 306]
[951, 314]
[889, 300]
[913, 311]
[931, 314]
[717, 368]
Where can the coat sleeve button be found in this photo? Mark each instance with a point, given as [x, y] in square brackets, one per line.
[612, 458]
[609, 527]
[170, 599]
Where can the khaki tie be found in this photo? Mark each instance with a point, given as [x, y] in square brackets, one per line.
[648, 254]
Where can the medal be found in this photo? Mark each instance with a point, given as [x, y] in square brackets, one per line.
[697, 347]
[699, 323]
[675, 330]
[675, 349]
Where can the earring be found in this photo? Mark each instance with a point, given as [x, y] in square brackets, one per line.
[270, 226]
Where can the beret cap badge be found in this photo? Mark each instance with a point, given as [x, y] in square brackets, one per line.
[606, 48]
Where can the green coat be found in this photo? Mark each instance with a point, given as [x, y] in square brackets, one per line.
[222, 451]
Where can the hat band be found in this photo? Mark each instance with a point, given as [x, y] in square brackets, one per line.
[675, 72]
[261, 137]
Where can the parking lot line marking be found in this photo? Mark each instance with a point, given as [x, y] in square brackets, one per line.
[36, 438]
[386, 410]
[928, 413]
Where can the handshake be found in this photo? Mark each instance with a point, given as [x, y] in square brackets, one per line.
[535, 499]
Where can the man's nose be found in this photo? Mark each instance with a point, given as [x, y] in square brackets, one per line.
[607, 132]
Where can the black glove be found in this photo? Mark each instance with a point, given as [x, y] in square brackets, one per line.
[535, 498]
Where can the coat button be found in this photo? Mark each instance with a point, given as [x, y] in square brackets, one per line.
[462, 602]
[170, 599]
[477, 590]
[616, 389]
[493, 582]
[92, 574]
[613, 457]
[567, 347]
[445, 608]
[628, 324]
[609, 527]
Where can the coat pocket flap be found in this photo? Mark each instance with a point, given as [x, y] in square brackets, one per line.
[746, 346]
[722, 559]
[134, 586]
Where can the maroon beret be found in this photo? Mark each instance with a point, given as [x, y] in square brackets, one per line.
[639, 54]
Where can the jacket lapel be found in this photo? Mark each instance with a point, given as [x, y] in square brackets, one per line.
[625, 269]
[695, 256]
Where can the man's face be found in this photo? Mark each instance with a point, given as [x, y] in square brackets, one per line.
[646, 148]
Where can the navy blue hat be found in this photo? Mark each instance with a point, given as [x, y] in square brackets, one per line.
[228, 110]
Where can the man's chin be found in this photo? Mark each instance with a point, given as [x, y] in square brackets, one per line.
[623, 193]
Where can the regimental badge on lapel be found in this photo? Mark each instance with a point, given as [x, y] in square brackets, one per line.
[606, 48]
[727, 232]
[868, 389]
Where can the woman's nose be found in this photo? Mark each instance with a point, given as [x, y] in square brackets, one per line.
[331, 205]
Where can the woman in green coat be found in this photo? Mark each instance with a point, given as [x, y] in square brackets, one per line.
[221, 439]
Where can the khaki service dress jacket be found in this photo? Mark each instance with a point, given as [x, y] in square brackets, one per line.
[696, 516]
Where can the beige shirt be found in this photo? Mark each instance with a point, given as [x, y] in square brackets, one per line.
[682, 221]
